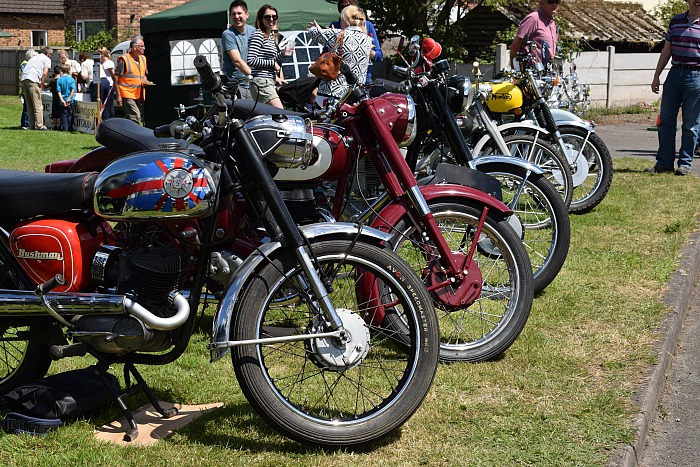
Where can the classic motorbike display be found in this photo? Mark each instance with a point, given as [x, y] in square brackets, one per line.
[457, 238]
[586, 152]
[540, 211]
[334, 339]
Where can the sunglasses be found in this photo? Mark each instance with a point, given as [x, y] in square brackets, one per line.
[270, 17]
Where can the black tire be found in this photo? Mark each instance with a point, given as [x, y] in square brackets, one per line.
[600, 168]
[24, 355]
[547, 157]
[487, 327]
[542, 214]
[303, 390]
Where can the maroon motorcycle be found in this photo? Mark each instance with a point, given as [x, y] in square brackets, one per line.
[452, 231]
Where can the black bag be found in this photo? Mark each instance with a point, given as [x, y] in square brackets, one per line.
[39, 406]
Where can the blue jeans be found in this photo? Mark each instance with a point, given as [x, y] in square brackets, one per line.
[681, 90]
[24, 119]
[67, 118]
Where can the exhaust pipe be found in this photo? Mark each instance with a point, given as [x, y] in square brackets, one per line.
[23, 303]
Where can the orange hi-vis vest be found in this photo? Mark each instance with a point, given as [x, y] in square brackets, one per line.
[130, 83]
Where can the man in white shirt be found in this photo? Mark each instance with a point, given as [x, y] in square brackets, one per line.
[34, 79]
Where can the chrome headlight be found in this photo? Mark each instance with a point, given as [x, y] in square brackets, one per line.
[283, 140]
[460, 96]
[398, 113]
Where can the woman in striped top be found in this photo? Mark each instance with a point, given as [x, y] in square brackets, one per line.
[264, 57]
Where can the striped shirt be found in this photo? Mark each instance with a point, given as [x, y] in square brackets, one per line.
[684, 37]
[262, 55]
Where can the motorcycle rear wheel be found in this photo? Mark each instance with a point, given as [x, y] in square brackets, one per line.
[542, 214]
[486, 328]
[310, 390]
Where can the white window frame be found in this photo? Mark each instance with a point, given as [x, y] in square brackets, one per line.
[45, 35]
[80, 27]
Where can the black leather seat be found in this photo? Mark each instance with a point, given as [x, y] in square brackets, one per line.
[26, 194]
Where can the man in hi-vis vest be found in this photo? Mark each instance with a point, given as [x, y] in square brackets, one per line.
[131, 78]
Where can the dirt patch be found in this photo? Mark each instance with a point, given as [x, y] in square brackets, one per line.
[647, 118]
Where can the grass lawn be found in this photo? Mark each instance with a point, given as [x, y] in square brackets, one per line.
[561, 396]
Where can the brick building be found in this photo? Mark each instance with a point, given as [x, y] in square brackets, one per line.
[37, 23]
[34, 23]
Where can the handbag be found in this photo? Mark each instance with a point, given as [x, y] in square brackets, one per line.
[327, 65]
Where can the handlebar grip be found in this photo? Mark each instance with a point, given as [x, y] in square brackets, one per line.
[50, 284]
[349, 75]
[210, 81]
[162, 131]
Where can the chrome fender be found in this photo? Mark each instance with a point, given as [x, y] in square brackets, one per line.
[524, 127]
[391, 214]
[564, 118]
[522, 163]
[224, 312]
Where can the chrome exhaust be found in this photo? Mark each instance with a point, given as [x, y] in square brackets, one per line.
[22, 303]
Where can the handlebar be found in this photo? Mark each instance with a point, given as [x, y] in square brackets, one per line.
[210, 81]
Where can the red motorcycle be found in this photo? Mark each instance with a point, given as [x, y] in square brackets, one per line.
[116, 264]
[456, 236]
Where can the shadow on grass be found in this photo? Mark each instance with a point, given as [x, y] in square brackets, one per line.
[243, 419]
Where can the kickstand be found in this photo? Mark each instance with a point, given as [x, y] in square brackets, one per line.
[129, 371]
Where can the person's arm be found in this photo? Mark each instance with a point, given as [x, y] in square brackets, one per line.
[514, 48]
[255, 55]
[376, 54]
[119, 71]
[44, 76]
[70, 97]
[664, 57]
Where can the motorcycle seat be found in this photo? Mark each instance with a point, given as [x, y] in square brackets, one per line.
[125, 136]
[26, 194]
[245, 108]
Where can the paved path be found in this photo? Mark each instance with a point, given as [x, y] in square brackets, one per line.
[635, 140]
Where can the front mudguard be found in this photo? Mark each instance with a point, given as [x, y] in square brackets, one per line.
[320, 231]
[391, 214]
[515, 161]
[565, 118]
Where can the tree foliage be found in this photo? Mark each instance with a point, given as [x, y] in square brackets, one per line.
[444, 21]
[103, 38]
[665, 10]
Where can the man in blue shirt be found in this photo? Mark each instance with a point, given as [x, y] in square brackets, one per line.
[234, 42]
[376, 54]
[681, 91]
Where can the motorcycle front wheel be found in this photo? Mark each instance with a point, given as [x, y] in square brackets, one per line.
[547, 157]
[591, 192]
[486, 328]
[542, 214]
[325, 391]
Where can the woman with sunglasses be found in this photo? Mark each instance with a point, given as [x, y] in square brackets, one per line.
[538, 26]
[265, 58]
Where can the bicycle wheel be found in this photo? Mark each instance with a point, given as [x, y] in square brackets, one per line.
[591, 192]
[486, 328]
[542, 214]
[331, 392]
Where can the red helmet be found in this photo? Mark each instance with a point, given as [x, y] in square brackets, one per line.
[431, 49]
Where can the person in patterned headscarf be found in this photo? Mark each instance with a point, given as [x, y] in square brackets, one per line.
[356, 47]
